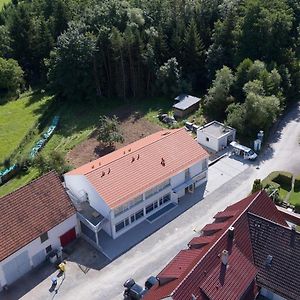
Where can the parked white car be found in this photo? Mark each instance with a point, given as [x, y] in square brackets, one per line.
[244, 151]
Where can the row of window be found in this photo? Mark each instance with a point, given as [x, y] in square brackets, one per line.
[119, 210]
[166, 198]
[157, 189]
[139, 214]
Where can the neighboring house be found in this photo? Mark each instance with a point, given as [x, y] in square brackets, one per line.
[249, 250]
[34, 220]
[142, 180]
[186, 104]
[215, 135]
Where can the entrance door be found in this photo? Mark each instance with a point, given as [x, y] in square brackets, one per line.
[68, 237]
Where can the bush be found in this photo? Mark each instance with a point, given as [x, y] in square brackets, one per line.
[297, 184]
[297, 208]
[280, 179]
[257, 186]
[285, 180]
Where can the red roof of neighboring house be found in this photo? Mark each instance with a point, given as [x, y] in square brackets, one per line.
[32, 210]
[128, 172]
[231, 281]
[204, 271]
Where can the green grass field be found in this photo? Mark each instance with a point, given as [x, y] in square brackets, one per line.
[77, 122]
[294, 198]
[17, 118]
[2, 2]
[20, 180]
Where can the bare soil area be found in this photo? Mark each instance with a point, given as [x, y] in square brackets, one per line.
[133, 128]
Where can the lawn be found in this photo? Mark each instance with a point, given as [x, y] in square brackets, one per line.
[18, 181]
[17, 118]
[77, 122]
[294, 198]
[2, 2]
[283, 193]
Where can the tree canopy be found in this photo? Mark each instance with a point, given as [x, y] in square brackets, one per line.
[86, 49]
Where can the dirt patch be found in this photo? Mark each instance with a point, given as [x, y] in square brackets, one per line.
[133, 128]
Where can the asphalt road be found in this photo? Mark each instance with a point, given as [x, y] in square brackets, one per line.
[151, 255]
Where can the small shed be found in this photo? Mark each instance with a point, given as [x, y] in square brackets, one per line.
[186, 104]
[215, 135]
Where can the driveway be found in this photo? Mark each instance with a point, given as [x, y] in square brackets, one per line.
[229, 181]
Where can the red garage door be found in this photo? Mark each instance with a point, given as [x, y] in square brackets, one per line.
[68, 237]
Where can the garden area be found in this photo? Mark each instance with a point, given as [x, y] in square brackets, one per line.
[75, 138]
[284, 187]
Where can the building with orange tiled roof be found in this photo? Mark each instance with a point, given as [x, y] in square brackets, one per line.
[140, 181]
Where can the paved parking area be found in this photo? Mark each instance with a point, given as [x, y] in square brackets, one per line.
[224, 170]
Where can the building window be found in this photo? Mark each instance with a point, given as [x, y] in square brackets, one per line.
[119, 210]
[166, 198]
[207, 139]
[157, 189]
[48, 249]
[44, 237]
[149, 208]
[122, 224]
[139, 214]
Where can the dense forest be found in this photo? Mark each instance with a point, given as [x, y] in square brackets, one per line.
[243, 54]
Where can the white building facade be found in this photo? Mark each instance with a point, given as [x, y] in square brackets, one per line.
[215, 136]
[30, 256]
[121, 219]
[156, 190]
[36, 221]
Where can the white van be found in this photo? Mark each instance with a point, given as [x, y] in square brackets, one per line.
[244, 151]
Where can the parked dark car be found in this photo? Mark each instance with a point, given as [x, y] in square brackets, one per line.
[133, 291]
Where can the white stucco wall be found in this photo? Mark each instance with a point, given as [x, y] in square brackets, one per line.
[79, 184]
[212, 143]
[177, 180]
[36, 246]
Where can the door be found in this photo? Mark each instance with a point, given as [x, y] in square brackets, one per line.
[17, 267]
[68, 237]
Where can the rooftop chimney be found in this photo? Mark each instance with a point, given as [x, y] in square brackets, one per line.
[231, 232]
[132, 159]
[103, 173]
[93, 166]
[108, 171]
[138, 156]
[224, 257]
[163, 163]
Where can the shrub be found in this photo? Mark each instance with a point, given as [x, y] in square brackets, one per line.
[297, 208]
[257, 186]
[284, 179]
[297, 184]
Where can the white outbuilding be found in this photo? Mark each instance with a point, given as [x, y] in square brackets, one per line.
[34, 221]
[215, 136]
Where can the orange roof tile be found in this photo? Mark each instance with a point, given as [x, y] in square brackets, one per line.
[128, 172]
[32, 210]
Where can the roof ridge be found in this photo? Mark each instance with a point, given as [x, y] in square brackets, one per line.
[171, 131]
[32, 181]
[268, 220]
[215, 243]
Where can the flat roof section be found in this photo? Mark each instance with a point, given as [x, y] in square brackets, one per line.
[185, 101]
[216, 129]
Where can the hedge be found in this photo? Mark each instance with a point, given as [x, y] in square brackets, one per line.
[279, 179]
[297, 184]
